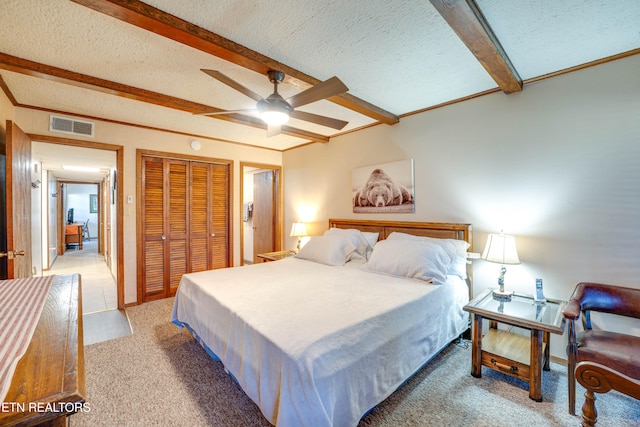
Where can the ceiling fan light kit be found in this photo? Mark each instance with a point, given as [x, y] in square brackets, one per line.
[275, 110]
[274, 118]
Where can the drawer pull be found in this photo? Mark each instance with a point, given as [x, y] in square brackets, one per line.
[504, 367]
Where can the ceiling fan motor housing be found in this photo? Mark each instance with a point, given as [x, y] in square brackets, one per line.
[274, 102]
[275, 110]
[275, 76]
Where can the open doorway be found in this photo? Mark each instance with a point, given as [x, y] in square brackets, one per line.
[261, 210]
[79, 215]
[81, 246]
[97, 213]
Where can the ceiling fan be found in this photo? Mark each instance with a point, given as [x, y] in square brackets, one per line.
[275, 111]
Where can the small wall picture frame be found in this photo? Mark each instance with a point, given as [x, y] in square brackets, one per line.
[93, 203]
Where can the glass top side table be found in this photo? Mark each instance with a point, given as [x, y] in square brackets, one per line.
[520, 356]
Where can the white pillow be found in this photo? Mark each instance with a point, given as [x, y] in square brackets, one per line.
[363, 249]
[371, 237]
[457, 250]
[410, 258]
[329, 250]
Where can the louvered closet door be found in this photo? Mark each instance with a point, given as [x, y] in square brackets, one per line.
[219, 215]
[185, 221]
[199, 241]
[164, 226]
[153, 219]
[209, 216]
[177, 223]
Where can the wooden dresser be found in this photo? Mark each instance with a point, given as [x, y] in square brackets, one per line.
[73, 235]
[48, 383]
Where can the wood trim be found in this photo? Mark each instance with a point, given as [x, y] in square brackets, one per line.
[35, 69]
[583, 66]
[450, 230]
[458, 231]
[179, 156]
[495, 90]
[7, 92]
[279, 186]
[119, 150]
[464, 17]
[139, 242]
[149, 18]
[118, 122]
[62, 220]
[75, 142]
[140, 154]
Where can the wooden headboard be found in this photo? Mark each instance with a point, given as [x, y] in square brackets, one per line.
[440, 230]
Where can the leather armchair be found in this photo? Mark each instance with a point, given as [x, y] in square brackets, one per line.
[601, 360]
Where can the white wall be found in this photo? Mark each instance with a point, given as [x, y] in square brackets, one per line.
[49, 219]
[132, 138]
[557, 165]
[36, 223]
[77, 197]
[248, 226]
[112, 227]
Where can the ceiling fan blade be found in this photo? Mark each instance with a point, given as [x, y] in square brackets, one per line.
[233, 84]
[273, 130]
[319, 120]
[219, 112]
[326, 89]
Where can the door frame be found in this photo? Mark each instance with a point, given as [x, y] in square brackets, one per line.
[140, 153]
[62, 219]
[278, 205]
[119, 150]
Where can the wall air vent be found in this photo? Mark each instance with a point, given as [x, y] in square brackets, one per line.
[72, 126]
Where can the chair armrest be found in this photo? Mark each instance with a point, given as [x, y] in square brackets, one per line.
[572, 310]
[613, 299]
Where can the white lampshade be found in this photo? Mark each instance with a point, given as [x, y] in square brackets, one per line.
[298, 229]
[501, 248]
[274, 118]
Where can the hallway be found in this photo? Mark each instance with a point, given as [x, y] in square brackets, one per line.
[98, 285]
[101, 319]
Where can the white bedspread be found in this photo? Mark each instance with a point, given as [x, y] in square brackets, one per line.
[315, 345]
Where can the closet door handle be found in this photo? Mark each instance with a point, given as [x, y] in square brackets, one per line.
[213, 234]
[164, 237]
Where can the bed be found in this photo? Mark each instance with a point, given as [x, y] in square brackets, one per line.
[321, 338]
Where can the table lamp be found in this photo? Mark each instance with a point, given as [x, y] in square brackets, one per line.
[501, 248]
[299, 230]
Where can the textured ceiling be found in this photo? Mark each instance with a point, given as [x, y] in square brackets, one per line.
[401, 56]
[54, 159]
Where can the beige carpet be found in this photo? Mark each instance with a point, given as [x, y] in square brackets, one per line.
[157, 377]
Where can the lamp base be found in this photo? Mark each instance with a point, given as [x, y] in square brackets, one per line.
[502, 295]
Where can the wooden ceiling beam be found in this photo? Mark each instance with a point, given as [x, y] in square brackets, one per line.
[149, 18]
[35, 69]
[464, 17]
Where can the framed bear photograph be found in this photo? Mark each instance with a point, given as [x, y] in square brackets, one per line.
[383, 188]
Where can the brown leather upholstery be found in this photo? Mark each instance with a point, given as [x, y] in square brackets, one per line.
[610, 349]
[602, 360]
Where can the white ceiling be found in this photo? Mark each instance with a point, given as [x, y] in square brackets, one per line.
[399, 56]
[53, 158]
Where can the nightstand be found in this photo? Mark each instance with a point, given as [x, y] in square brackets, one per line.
[518, 355]
[275, 256]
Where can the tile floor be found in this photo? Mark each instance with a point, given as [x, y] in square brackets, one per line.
[98, 285]
[102, 320]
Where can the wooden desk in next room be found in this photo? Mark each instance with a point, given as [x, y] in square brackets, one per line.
[73, 235]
